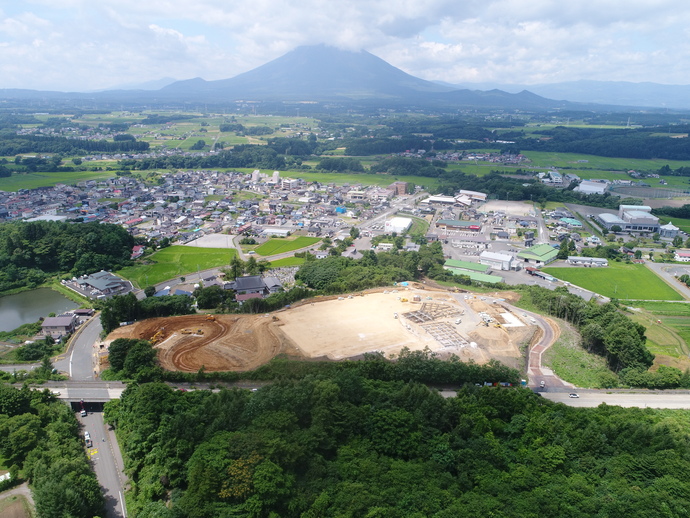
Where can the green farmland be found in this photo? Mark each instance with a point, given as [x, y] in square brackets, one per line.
[36, 180]
[618, 280]
[176, 261]
[668, 330]
[280, 246]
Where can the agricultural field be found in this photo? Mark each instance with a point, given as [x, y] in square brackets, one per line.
[36, 180]
[618, 280]
[287, 261]
[668, 330]
[176, 261]
[282, 245]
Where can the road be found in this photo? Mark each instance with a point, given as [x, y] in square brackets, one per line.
[79, 362]
[672, 400]
[107, 463]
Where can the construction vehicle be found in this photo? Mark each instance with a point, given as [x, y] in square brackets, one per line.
[404, 300]
[210, 317]
[158, 337]
[186, 331]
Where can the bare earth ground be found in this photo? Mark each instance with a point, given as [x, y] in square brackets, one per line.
[509, 207]
[213, 241]
[16, 503]
[338, 328]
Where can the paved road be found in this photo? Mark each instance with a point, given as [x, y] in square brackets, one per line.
[100, 391]
[672, 400]
[106, 462]
[79, 362]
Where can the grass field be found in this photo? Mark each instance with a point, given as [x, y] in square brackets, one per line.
[176, 261]
[618, 280]
[668, 330]
[282, 245]
[35, 180]
[571, 362]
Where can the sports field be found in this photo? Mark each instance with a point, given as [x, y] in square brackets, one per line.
[176, 261]
[618, 280]
[280, 245]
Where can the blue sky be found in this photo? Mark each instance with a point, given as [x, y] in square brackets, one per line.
[83, 45]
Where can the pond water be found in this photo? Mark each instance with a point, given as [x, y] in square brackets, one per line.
[29, 306]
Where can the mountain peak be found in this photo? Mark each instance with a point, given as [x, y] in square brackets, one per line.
[319, 72]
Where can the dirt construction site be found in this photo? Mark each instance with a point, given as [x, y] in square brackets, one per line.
[472, 327]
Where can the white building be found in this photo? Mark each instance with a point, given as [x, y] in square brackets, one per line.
[589, 187]
[497, 261]
[682, 256]
[587, 261]
[397, 225]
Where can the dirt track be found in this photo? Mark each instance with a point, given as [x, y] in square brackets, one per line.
[230, 343]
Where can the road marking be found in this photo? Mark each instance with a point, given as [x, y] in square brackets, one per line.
[93, 452]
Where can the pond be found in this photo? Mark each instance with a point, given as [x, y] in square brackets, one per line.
[29, 306]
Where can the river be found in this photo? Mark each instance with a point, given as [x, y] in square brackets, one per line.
[29, 306]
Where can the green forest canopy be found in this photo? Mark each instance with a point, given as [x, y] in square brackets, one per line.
[345, 445]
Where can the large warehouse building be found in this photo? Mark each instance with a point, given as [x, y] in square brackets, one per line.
[397, 225]
[631, 218]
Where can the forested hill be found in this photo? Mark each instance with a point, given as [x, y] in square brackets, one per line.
[343, 445]
[31, 251]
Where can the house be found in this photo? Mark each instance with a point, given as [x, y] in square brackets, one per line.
[57, 327]
[250, 285]
[682, 255]
[137, 251]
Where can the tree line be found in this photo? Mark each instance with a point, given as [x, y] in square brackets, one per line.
[32, 251]
[605, 330]
[12, 144]
[40, 438]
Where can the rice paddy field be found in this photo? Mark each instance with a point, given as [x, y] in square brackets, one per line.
[176, 261]
[280, 246]
[618, 280]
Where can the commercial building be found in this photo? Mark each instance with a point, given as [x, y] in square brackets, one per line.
[589, 187]
[682, 256]
[397, 225]
[587, 261]
[456, 224]
[631, 218]
[476, 272]
[668, 231]
[539, 254]
[498, 261]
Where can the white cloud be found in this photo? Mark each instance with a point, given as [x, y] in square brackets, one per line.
[82, 44]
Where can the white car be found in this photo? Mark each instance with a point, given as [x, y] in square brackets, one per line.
[573, 395]
[87, 436]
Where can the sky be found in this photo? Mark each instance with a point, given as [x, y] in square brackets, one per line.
[87, 45]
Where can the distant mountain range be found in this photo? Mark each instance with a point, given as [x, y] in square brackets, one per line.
[621, 93]
[328, 75]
